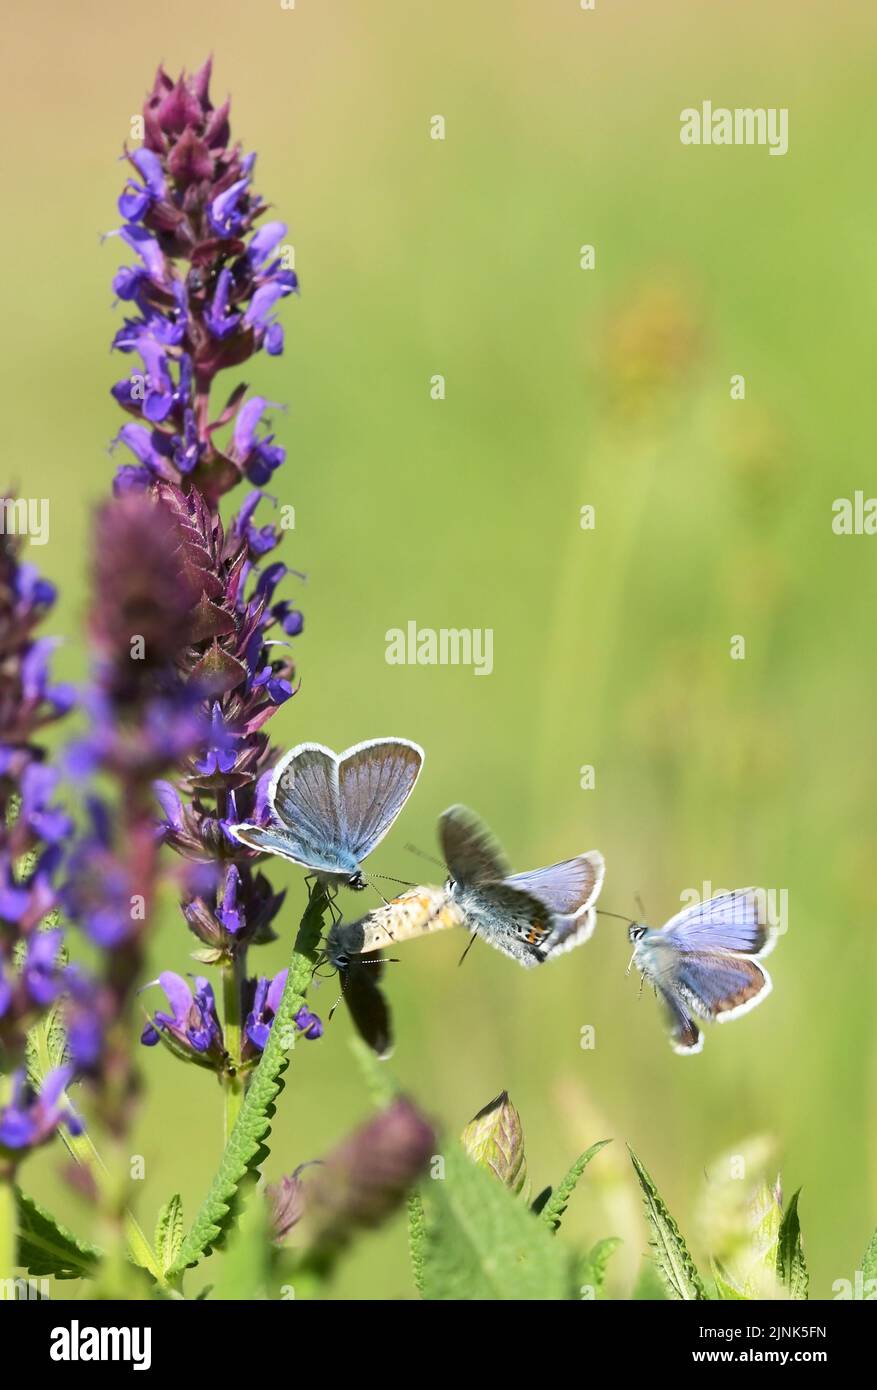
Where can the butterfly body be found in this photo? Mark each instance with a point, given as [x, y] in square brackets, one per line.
[330, 810]
[704, 963]
[415, 913]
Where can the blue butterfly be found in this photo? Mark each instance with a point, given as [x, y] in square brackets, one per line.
[332, 809]
[702, 962]
[531, 916]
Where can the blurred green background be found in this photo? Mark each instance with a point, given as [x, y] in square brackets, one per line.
[564, 387]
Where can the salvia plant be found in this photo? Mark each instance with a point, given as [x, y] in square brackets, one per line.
[192, 623]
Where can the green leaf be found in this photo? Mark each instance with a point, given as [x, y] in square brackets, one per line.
[791, 1265]
[484, 1245]
[246, 1149]
[46, 1247]
[675, 1265]
[169, 1232]
[592, 1267]
[869, 1262]
[417, 1239]
[552, 1212]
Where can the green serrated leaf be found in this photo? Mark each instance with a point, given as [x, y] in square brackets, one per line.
[675, 1265]
[417, 1239]
[791, 1265]
[246, 1149]
[484, 1245]
[726, 1289]
[46, 1247]
[169, 1232]
[46, 1046]
[592, 1267]
[869, 1262]
[552, 1212]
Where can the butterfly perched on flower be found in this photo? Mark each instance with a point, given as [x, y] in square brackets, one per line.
[703, 962]
[330, 810]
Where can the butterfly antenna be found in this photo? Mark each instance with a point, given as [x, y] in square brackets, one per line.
[422, 854]
[640, 907]
[403, 882]
[469, 946]
[601, 912]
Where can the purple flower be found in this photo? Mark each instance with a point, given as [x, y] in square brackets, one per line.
[41, 974]
[137, 198]
[193, 1024]
[227, 912]
[226, 217]
[32, 1117]
[149, 251]
[257, 457]
[264, 241]
[219, 754]
[265, 1003]
[218, 318]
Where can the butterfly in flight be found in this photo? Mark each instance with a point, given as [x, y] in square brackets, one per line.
[532, 916]
[703, 962]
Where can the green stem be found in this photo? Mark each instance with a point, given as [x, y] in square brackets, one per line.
[8, 1228]
[233, 1081]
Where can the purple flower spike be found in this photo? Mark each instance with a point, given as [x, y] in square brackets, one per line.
[204, 293]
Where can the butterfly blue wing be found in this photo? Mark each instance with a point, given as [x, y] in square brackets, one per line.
[712, 985]
[277, 840]
[569, 932]
[375, 780]
[734, 921]
[566, 888]
[305, 797]
[719, 987]
[470, 850]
